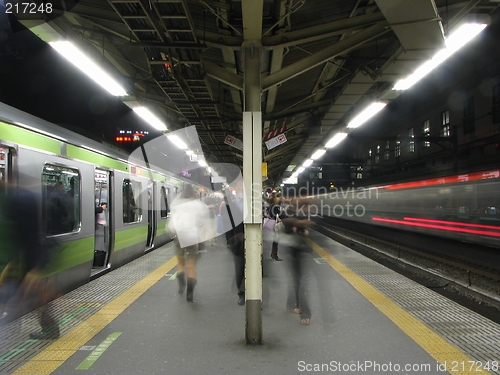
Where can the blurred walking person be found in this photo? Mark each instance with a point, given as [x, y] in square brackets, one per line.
[27, 256]
[235, 236]
[190, 222]
[273, 217]
[298, 259]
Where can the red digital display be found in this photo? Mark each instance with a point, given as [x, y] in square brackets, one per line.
[126, 136]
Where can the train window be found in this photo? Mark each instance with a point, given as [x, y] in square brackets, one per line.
[131, 203]
[426, 131]
[61, 199]
[165, 209]
[469, 116]
[411, 143]
[445, 123]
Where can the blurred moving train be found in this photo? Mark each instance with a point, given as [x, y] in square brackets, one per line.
[463, 207]
[72, 175]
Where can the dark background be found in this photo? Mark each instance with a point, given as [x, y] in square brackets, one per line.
[36, 79]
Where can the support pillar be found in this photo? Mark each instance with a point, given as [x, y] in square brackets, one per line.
[252, 179]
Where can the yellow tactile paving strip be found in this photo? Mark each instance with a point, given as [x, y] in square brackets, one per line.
[440, 349]
[56, 354]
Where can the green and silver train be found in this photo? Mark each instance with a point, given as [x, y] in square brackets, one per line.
[72, 175]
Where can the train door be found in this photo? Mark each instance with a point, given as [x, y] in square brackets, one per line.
[103, 218]
[151, 214]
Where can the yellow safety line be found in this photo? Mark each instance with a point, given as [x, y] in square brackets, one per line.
[457, 363]
[55, 355]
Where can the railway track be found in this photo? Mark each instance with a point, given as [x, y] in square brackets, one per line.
[467, 273]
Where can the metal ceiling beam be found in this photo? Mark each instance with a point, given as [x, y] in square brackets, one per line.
[276, 60]
[293, 38]
[416, 24]
[252, 19]
[320, 57]
[319, 32]
[219, 40]
[223, 75]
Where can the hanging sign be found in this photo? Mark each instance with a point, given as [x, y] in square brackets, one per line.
[274, 133]
[276, 141]
[235, 142]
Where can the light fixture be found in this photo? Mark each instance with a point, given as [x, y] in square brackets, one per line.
[177, 141]
[300, 170]
[307, 163]
[457, 40]
[318, 154]
[82, 62]
[150, 118]
[337, 138]
[369, 112]
[292, 180]
[203, 163]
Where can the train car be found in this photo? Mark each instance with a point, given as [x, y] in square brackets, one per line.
[72, 176]
[463, 207]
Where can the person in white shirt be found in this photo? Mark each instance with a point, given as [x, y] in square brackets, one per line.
[190, 218]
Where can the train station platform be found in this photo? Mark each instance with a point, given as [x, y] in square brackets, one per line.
[366, 319]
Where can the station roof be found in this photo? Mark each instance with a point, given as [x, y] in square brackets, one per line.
[322, 61]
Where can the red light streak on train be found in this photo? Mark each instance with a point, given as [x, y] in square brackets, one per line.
[435, 226]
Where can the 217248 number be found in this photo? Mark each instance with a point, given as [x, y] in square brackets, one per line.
[28, 8]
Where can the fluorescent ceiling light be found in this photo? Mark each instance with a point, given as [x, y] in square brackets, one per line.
[307, 163]
[150, 118]
[177, 141]
[300, 170]
[337, 138]
[369, 112]
[457, 40]
[318, 154]
[292, 180]
[189, 152]
[82, 62]
[464, 35]
[203, 163]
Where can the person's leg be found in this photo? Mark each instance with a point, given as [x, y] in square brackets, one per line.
[192, 255]
[303, 283]
[181, 278]
[293, 301]
[274, 251]
[45, 292]
[305, 311]
[239, 268]
[181, 275]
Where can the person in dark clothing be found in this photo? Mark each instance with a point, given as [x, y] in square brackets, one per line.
[273, 213]
[57, 213]
[236, 237]
[292, 242]
[30, 255]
